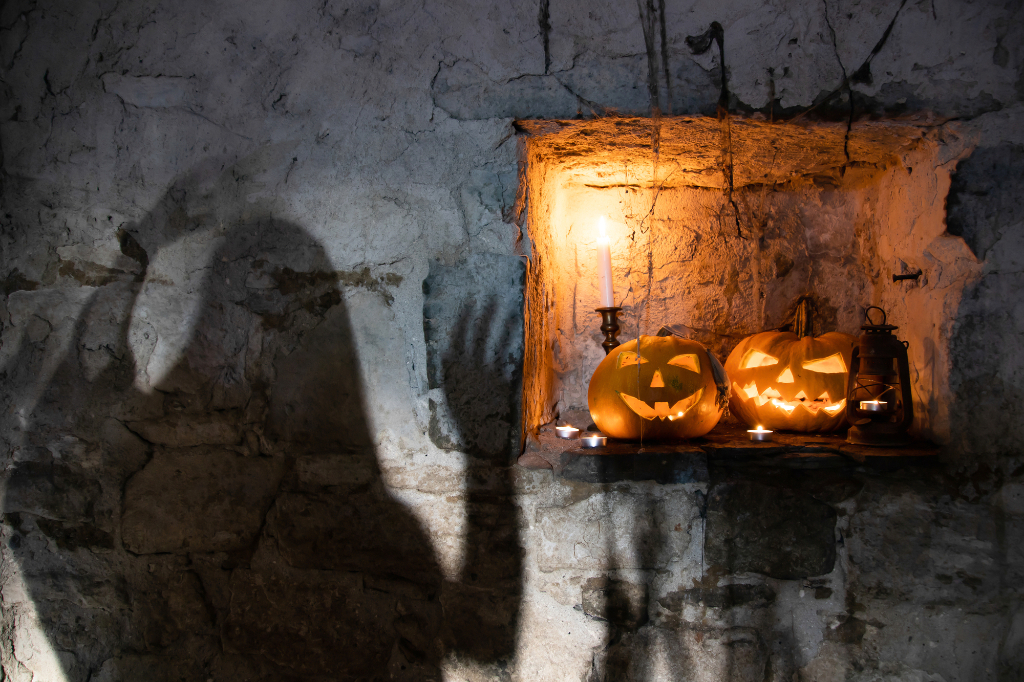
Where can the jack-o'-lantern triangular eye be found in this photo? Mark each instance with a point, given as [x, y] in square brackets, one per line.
[686, 361]
[833, 364]
[755, 358]
[627, 358]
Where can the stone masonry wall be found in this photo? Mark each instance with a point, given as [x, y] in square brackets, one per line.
[260, 373]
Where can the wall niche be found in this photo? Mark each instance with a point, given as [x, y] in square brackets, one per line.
[721, 225]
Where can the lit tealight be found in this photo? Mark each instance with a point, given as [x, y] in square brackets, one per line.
[594, 440]
[760, 435]
[873, 405]
[567, 431]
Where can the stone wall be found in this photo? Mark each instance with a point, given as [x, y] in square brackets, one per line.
[261, 349]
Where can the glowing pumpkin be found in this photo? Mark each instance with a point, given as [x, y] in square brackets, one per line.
[664, 389]
[785, 382]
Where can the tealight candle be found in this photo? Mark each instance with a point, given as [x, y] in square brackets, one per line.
[873, 405]
[760, 435]
[567, 431]
[594, 440]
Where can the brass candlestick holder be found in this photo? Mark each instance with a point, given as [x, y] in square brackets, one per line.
[610, 328]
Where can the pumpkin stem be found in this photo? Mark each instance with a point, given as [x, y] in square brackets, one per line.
[803, 323]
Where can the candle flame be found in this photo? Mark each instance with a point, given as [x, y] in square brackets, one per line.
[601, 226]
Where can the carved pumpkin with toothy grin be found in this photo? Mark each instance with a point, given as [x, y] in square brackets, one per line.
[787, 383]
[656, 387]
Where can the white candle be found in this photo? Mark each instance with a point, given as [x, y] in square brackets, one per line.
[604, 267]
[760, 435]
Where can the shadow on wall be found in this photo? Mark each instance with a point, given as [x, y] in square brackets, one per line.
[758, 534]
[231, 522]
[986, 208]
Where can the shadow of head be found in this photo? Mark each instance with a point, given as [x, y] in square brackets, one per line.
[212, 485]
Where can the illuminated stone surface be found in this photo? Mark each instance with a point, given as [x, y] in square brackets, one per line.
[216, 224]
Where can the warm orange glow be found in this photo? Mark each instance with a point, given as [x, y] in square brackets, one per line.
[755, 358]
[788, 407]
[750, 390]
[833, 364]
[833, 409]
[873, 405]
[658, 381]
[783, 405]
[582, 176]
[786, 377]
[628, 358]
[686, 361]
[661, 410]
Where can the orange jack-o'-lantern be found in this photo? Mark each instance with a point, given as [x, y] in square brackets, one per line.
[791, 382]
[663, 389]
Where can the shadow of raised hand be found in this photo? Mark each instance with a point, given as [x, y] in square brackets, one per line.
[479, 374]
[481, 379]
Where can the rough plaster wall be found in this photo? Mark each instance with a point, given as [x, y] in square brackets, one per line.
[166, 166]
[912, 237]
[722, 286]
[985, 208]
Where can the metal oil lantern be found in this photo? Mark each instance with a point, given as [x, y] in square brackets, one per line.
[879, 404]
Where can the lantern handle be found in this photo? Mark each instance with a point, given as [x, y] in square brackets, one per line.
[903, 367]
[867, 315]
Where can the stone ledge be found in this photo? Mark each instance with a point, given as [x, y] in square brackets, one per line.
[661, 465]
[726, 445]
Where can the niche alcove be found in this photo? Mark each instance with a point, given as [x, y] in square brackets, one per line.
[721, 225]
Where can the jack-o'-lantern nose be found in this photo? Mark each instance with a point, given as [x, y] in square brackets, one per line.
[657, 381]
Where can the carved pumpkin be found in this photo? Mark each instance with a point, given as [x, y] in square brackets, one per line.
[666, 390]
[791, 382]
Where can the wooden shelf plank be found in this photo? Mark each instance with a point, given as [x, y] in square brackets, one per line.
[726, 445]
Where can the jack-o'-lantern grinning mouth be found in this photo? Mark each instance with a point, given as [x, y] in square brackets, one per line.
[661, 410]
[770, 395]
